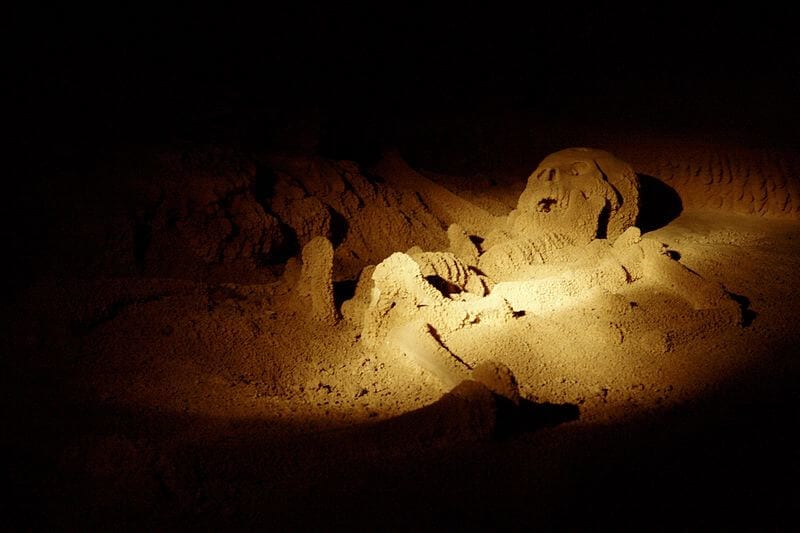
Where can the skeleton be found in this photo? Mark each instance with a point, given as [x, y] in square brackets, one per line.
[573, 197]
[572, 233]
[580, 193]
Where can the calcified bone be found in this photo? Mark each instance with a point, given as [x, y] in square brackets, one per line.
[400, 293]
[553, 251]
[579, 193]
[448, 273]
[461, 245]
[417, 340]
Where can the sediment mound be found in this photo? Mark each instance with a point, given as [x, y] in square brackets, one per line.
[214, 213]
[752, 181]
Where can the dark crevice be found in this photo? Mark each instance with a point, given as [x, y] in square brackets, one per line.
[442, 285]
[348, 186]
[225, 204]
[748, 315]
[600, 170]
[476, 270]
[371, 177]
[339, 227]
[231, 237]
[422, 201]
[602, 221]
[617, 194]
[263, 189]
[264, 184]
[289, 246]
[438, 338]
[477, 241]
[528, 416]
[343, 290]
[659, 204]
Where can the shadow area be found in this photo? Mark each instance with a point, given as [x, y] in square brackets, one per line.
[149, 469]
[93, 466]
[748, 315]
[659, 204]
[468, 413]
[528, 416]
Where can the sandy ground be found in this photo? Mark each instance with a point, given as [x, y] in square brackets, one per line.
[158, 390]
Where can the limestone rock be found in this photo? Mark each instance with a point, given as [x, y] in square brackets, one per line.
[400, 294]
[418, 341]
[316, 279]
[498, 378]
[308, 217]
[461, 245]
[353, 309]
[443, 269]
[502, 261]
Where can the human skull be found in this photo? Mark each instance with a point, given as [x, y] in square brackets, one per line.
[579, 193]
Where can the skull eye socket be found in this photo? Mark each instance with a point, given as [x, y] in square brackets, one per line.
[579, 167]
[547, 174]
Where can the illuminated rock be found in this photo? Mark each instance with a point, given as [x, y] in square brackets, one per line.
[400, 293]
[573, 197]
[418, 341]
[661, 268]
[461, 245]
[353, 309]
[571, 239]
[316, 279]
[506, 260]
[580, 194]
[445, 268]
[629, 237]
[448, 273]
[498, 378]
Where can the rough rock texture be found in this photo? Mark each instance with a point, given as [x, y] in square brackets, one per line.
[307, 216]
[447, 206]
[353, 309]
[417, 340]
[448, 273]
[400, 293]
[759, 181]
[368, 219]
[148, 394]
[195, 210]
[584, 272]
[461, 245]
[503, 261]
[316, 280]
[498, 378]
[211, 213]
[555, 251]
[578, 193]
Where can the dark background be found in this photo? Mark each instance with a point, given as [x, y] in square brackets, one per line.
[458, 89]
[111, 74]
[84, 81]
